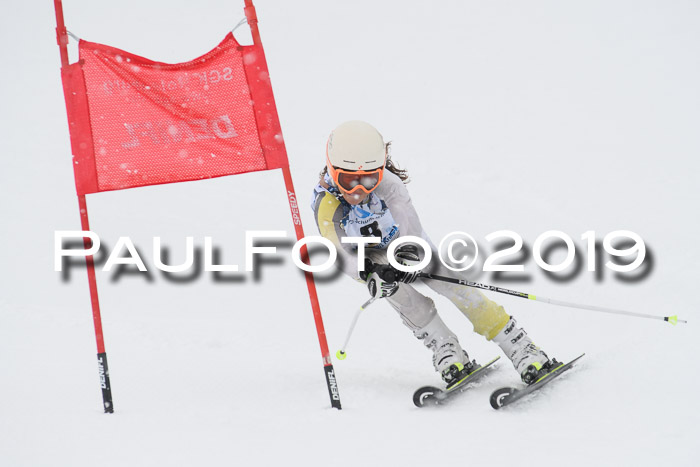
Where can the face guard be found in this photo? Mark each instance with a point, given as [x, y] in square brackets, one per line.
[353, 181]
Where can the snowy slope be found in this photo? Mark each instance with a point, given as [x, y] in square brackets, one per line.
[573, 116]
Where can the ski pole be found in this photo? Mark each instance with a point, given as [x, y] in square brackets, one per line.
[340, 354]
[671, 319]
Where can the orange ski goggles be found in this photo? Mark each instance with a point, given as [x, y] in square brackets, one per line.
[352, 181]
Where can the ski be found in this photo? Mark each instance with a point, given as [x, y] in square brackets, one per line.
[431, 395]
[505, 396]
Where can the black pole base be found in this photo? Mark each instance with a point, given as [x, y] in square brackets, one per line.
[104, 382]
[332, 387]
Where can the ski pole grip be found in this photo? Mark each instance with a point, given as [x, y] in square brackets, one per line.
[385, 271]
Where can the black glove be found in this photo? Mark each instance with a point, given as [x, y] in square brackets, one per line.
[380, 278]
[380, 288]
[407, 255]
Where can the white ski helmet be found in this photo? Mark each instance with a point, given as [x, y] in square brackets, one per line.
[355, 145]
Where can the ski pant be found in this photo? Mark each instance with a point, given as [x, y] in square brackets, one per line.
[417, 310]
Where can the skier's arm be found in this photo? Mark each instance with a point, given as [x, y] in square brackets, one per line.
[399, 203]
[328, 212]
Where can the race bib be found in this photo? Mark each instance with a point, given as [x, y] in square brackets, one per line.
[371, 219]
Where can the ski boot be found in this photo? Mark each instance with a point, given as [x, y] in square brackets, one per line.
[529, 361]
[448, 357]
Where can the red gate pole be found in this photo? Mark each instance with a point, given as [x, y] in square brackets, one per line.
[61, 33]
[62, 39]
[296, 219]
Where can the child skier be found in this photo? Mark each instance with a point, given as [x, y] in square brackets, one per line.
[361, 193]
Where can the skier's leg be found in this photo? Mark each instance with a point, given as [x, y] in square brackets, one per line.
[419, 314]
[487, 316]
[491, 321]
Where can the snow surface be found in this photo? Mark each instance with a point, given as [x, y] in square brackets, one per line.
[528, 116]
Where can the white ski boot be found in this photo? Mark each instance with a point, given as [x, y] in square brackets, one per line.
[449, 359]
[529, 361]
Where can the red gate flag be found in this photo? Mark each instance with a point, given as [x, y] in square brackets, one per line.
[136, 122]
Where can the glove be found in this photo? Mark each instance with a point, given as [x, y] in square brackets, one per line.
[381, 288]
[380, 278]
[407, 255]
